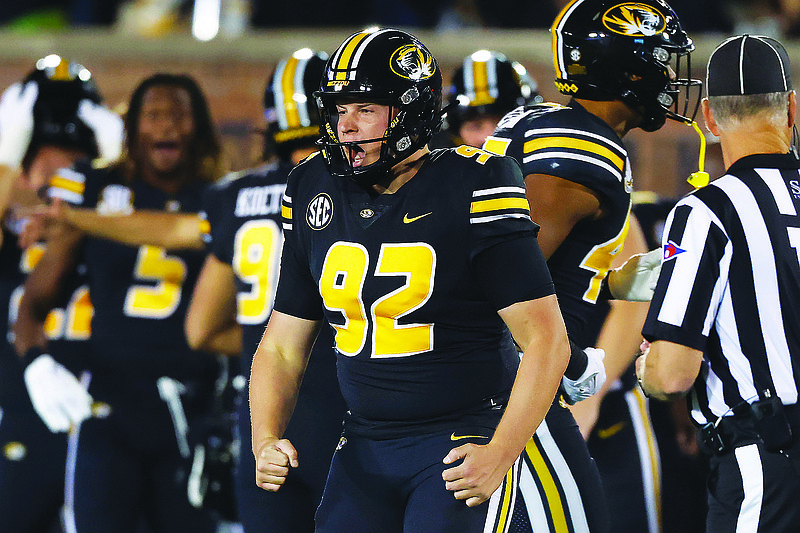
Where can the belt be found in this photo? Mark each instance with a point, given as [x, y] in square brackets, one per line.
[740, 429]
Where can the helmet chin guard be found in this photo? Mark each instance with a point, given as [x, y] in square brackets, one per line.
[387, 67]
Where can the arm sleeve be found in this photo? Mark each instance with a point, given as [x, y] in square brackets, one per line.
[297, 293]
[523, 255]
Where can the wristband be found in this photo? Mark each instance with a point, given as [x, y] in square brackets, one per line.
[578, 361]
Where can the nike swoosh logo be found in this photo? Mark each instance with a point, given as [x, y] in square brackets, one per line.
[407, 220]
[459, 437]
[610, 431]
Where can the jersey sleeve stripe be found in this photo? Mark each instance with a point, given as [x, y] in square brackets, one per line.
[496, 145]
[65, 195]
[580, 134]
[497, 204]
[499, 190]
[484, 219]
[61, 182]
[576, 157]
[581, 145]
[286, 212]
[68, 186]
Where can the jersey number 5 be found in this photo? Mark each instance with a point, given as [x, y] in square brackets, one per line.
[341, 286]
[162, 298]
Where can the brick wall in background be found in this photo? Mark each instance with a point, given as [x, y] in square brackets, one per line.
[234, 73]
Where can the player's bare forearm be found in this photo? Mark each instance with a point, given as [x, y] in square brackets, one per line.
[211, 319]
[275, 377]
[8, 176]
[173, 231]
[277, 372]
[43, 287]
[557, 205]
[668, 370]
[546, 352]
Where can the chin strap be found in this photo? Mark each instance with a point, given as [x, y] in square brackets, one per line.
[699, 179]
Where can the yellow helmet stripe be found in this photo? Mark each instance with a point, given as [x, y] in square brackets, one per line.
[342, 63]
[555, 30]
[288, 90]
[61, 72]
[480, 83]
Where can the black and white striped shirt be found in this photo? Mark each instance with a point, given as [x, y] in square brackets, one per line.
[730, 284]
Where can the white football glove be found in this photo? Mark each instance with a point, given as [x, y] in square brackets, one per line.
[636, 280]
[590, 381]
[108, 128]
[16, 122]
[56, 394]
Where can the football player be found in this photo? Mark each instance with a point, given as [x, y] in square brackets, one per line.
[425, 264]
[233, 295]
[146, 387]
[240, 274]
[616, 421]
[48, 121]
[483, 89]
[620, 64]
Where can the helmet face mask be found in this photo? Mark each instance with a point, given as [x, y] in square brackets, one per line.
[627, 51]
[488, 84]
[62, 86]
[387, 67]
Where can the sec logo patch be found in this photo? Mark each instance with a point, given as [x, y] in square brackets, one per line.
[319, 212]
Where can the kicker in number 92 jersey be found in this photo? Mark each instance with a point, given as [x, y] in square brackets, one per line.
[392, 301]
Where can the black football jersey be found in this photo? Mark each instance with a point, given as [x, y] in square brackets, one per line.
[416, 335]
[570, 143]
[67, 327]
[244, 215]
[140, 294]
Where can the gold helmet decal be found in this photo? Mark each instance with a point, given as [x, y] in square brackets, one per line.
[412, 62]
[634, 19]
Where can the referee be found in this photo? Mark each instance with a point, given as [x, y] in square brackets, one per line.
[723, 320]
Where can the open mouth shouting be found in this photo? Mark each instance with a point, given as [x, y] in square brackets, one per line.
[357, 155]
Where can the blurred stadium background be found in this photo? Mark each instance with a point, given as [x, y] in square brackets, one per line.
[232, 46]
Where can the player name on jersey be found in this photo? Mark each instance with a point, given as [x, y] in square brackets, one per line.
[259, 201]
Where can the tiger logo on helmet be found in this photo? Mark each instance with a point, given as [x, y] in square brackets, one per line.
[412, 63]
[634, 19]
